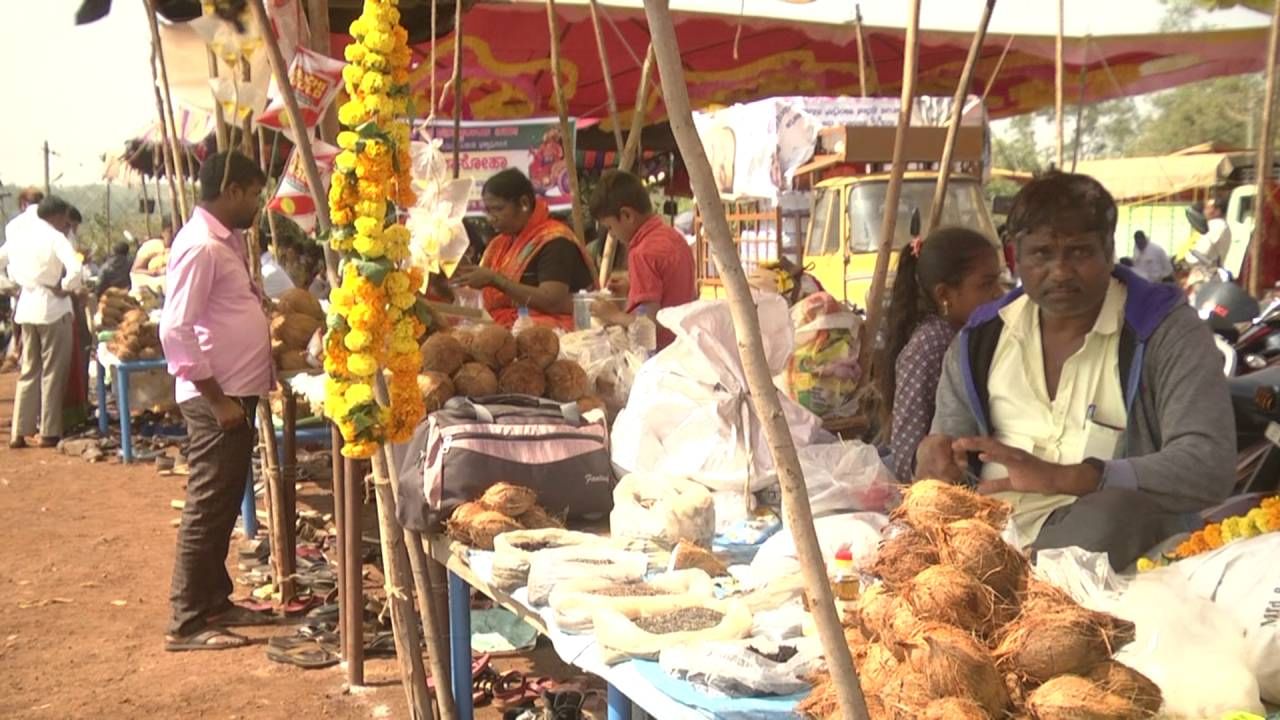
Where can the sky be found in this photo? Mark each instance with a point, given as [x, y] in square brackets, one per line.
[88, 88]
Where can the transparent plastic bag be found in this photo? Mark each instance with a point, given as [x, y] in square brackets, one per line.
[551, 567]
[576, 601]
[846, 476]
[621, 639]
[823, 371]
[741, 668]
[511, 557]
[663, 509]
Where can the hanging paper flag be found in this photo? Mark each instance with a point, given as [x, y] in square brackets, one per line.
[293, 197]
[315, 80]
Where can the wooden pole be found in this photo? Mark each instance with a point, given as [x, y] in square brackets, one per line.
[177, 201]
[353, 552]
[1058, 71]
[399, 584]
[1262, 202]
[303, 139]
[862, 51]
[764, 395]
[146, 207]
[282, 522]
[457, 89]
[875, 298]
[628, 158]
[567, 138]
[175, 139]
[995, 73]
[1079, 131]
[957, 114]
[318, 20]
[339, 522]
[608, 75]
[220, 119]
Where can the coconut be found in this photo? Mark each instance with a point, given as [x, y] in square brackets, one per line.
[484, 527]
[1017, 693]
[944, 593]
[567, 381]
[876, 666]
[905, 694]
[294, 330]
[954, 664]
[903, 554]
[1121, 680]
[298, 300]
[1071, 697]
[475, 380]
[536, 518]
[510, 500]
[436, 389]
[976, 548]
[1040, 646]
[538, 344]
[459, 523]
[929, 503]
[522, 377]
[443, 353]
[954, 708]
[591, 402]
[291, 360]
[822, 702]
[873, 608]
[493, 345]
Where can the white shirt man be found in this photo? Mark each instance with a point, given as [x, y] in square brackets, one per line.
[1150, 261]
[275, 281]
[1212, 247]
[41, 261]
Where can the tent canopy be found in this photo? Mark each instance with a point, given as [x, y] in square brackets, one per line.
[730, 58]
[1164, 177]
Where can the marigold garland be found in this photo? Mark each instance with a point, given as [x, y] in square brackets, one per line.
[375, 318]
[1263, 519]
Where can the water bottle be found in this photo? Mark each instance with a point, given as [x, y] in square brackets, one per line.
[523, 321]
[643, 334]
[582, 310]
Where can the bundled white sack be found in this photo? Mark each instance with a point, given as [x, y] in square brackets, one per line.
[843, 476]
[689, 413]
[745, 668]
[662, 508]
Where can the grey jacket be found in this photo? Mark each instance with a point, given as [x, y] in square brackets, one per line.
[1179, 445]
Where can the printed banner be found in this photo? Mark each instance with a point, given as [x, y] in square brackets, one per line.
[293, 197]
[531, 146]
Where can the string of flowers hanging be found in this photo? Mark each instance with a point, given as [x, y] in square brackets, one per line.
[375, 319]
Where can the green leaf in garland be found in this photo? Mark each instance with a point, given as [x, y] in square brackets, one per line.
[375, 271]
[363, 416]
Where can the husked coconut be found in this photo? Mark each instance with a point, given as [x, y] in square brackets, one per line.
[436, 389]
[538, 344]
[443, 353]
[1071, 697]
[298, 300]
[294, 330]
[493, 345]
[475, 380]
[566, 381]
[522, 377]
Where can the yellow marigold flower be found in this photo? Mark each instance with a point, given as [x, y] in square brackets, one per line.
[341, 299]
[347, 140]
[366, 225]
[404, 363]
[345, 161]
[373, 191]
[370, 246]
[340, 216]
[359, 450]
[396, 281]
[376, 209]
[352, 113]
[354, 52]
[359, 394]
[353, 76]
[1146, 565]
[374, 60]
[379, 42]
[403, 300]
[372, 82]
[404, 347]
[362, 364]
[356, 340]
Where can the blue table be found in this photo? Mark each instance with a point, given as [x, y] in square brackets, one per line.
[123, 370]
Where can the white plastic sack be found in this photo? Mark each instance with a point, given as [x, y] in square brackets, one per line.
[663, 509]
[860, 531]
[733, 669]
[553, 566]
[1193, 650]
[689, 412]
[844, 476]
[1243, 578]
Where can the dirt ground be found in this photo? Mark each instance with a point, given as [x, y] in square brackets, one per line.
[84, 580]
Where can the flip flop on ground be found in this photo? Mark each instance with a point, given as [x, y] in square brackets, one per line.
[237, 616]
[212, 638]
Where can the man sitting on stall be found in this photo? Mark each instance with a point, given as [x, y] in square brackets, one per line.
[659, 261]
[1089, 399]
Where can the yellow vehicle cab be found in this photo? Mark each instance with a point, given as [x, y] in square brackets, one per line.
[848, 212]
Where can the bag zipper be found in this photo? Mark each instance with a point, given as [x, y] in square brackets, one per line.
[448, 439]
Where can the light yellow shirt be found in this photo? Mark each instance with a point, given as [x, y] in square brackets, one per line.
[1084, 420]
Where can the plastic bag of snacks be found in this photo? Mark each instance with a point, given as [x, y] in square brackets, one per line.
[663, 509]
[823, 372]
[549, 568]
[575, 601]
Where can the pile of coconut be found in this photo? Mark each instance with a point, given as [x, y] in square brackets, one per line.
[490, 360]
[502, 508]
[956, 627]
[295, 321]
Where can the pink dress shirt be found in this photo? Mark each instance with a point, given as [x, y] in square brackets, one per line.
[213, 324]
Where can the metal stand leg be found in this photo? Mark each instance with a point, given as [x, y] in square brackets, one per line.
[460, 645]
[103, 419]
[126, 422]
[249, 510]
[619, 704]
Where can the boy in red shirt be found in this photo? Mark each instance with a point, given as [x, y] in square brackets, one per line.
[659, 260]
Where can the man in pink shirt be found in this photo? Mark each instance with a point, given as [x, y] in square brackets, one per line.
[217, 342]
[659, 261]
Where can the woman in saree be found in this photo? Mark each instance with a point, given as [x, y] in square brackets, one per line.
[534, 261]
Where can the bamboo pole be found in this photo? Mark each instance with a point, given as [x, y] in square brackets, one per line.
[567, 138]
[630, 153]
[339, 522]
[352, 547]
[179, 156]
[177, 202]
[1058, 71]
[318, 21]
[220, 119]
[457, 89]
[862, 52]
[282, 553]
[875, 298]
[764, 396]
[399, 583]
[608, 75]
[302, 139]
[957, 114]
[1265, 152]
[995, 73]
[1079, 132]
